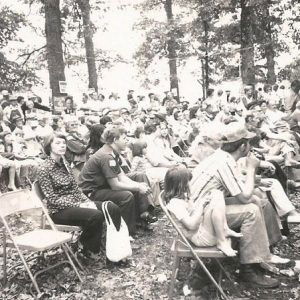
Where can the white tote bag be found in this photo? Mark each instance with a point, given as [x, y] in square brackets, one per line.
[117, 242]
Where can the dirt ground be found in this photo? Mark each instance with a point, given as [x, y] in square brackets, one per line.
[148, 274]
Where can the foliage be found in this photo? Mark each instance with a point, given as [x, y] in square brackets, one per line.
[12, 74]
[291, 71]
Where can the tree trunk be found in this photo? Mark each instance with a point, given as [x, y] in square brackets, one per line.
[206, 58]
[85, 8]
[269, 50]
[247, 44]
[171, 44]
[56, 65]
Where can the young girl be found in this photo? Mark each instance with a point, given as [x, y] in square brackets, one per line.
[203, 230]
[139, 162]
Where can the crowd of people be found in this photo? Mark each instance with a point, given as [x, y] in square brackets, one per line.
[222, 163]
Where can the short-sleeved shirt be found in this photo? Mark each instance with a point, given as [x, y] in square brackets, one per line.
[217, 172]
[100, 167]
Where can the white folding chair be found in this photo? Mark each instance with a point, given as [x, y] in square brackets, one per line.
[67, 228]
[181, 247]
[37, 240]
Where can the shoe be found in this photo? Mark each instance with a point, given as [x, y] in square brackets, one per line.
[144, 225]
[88, 254]
[249, 274]
[275, 259]
[120, 264]
[149, 218]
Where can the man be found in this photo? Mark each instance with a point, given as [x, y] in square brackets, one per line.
[169, 101]
[248, 99]
[76, 146]
[293, 97]
[219, 171]
[103, 179]
[12, 111]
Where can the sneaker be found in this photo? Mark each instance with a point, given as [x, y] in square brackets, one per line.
[249, 274]
[275, 259]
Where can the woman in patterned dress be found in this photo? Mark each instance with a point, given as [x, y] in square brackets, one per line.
[66, 203]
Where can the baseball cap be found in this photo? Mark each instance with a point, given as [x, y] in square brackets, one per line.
[236, 131]
[124, 110]
[13, 98]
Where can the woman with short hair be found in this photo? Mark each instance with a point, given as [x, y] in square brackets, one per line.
[66, 203]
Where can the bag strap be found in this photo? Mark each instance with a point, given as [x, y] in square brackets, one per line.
[105, 212]
[107, 216]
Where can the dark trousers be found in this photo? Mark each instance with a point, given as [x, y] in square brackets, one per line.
[279, 174]
[91, 222]
[144, 202]
[123, 199]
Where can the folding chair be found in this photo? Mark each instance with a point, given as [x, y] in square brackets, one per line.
[181, 247]
[37, 240]
[36, 189]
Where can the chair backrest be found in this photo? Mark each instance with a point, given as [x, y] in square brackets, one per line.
[37, 189]
[162, 204]
[18, 201]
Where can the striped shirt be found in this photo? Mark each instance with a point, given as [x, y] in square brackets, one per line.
[216, 172]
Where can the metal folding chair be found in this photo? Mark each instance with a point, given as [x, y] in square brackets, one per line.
[36, 189]
[181, 247]
[35, 241]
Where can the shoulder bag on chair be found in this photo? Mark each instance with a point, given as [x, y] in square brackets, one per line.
[117, 242]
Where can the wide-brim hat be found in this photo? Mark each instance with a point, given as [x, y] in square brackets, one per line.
[236, 131]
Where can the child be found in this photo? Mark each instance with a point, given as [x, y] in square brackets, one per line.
[139, 162]
[203, 232]
[7, 163]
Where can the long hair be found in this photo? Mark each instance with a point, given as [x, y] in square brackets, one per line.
[177, 183]
[95, 136]
[137, 148]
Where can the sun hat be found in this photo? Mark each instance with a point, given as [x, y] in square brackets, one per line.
[236, 131]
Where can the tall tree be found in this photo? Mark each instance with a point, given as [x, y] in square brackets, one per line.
[269, 45]
[171, 47]
[53, 30]
[247, 43]
[88, 32]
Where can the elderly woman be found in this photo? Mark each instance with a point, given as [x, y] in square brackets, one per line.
[66, 203]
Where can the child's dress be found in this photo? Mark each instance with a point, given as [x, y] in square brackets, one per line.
[200, 237]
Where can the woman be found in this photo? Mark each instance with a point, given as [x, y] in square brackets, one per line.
[163, 143]
[95, 142]
[67, 204]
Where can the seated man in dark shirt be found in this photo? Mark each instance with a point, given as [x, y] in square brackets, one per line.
[102, 178]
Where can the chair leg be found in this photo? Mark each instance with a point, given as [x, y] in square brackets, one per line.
[224, 271]
[4, 258]
[176, 262]
[219, 282]
[74, 257]
[28, 271]
[71, 262]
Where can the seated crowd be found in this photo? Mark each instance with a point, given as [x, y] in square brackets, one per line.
[221, 162]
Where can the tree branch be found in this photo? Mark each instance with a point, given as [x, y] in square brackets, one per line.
[28, 55]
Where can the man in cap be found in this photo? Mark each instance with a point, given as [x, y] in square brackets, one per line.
[5, 99]
[219, 172]
[125, 119]
[12, 111]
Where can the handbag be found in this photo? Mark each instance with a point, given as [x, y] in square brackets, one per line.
[117, 242]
